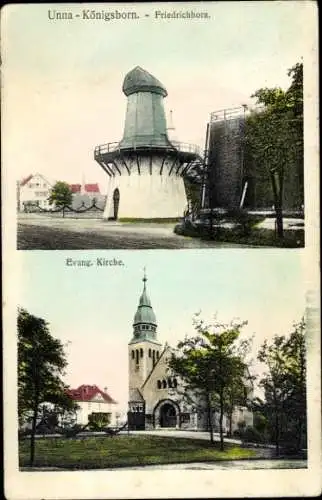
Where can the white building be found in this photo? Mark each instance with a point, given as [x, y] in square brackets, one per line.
[94, 404]
[33, 191]
[145, 169]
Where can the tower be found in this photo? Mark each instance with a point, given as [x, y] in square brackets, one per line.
[145, 169]
[144, 348]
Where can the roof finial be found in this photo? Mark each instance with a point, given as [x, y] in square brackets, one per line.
[144, 279]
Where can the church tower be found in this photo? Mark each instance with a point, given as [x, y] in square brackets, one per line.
[144, 348]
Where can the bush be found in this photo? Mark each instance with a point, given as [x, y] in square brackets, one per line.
[251, 435]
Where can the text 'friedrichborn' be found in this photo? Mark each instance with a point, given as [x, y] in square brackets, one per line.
[119, 15]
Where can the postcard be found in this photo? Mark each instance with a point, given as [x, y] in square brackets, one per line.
[161, 242]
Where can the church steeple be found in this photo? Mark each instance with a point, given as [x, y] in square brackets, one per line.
[145, 323]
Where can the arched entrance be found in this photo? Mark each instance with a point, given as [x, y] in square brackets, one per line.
[116, 203]
[168, 417]
[167, 414]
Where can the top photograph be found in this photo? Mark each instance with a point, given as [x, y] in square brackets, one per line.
[144, 130]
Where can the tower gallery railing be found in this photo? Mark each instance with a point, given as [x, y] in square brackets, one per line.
[112, 147]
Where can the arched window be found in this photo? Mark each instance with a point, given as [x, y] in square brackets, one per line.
[159, 384]
[175, 383]
[158, 354]
[141, 353]
[153, 356]
[133, 355]
[169, 382]
[137, 356]
[164, 384]
[150, 353]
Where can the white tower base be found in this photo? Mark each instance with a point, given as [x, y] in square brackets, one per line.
[145, 195]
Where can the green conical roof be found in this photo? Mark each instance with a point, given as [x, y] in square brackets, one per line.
[139, 80]
[144, 313]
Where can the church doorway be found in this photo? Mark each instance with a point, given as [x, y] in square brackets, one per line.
[116, 203]
[168, 416]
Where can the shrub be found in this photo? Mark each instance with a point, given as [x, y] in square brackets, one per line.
[251, 435]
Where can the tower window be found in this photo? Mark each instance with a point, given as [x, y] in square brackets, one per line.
[141, 353]
[158, 354]
[133, 354]
[150, 353]
[159, 384]
[170, 383]
[164, 384]
[153, 356]
[137, 356]
[175, 383]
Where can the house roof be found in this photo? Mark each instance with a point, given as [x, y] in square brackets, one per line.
[88, 393]
[27, 179]
[88, 188]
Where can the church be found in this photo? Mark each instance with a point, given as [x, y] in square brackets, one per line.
[155, 394]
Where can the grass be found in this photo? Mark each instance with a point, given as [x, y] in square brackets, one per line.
[104, 452]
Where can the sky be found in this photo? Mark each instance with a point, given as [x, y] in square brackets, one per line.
[93, 308]
[62, 80]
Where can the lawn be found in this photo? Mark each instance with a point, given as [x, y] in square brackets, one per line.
[103, 452]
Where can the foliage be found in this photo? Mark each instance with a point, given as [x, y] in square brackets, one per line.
[210, 364]
[293, 238]
[97, 453]
[274, 136]
[61, 195]
[41, 363]
[252, 435]
[284, 385]
[98, 422]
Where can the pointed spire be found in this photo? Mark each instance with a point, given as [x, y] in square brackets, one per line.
[144, 299]
[145, 313]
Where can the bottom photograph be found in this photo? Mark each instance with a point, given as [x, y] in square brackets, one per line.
[162, 360]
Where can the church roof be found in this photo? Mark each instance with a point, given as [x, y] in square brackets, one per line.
[166, 348]
[139, 80]
[135, 395]
[144, 313]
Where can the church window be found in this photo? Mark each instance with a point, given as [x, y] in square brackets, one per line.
[175, 383]
[150, 353]
[164, 384]
[137, 356]
[141, 353]
[133, 354]
[153, 356]
[169, 382]
[185, 417]
[159, 384]
[158, 354]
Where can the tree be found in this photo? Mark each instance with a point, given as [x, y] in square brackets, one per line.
[295, 355]
[274, 136]
[209, 365]
[284, 385]
[61, 195]
[41, 363]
